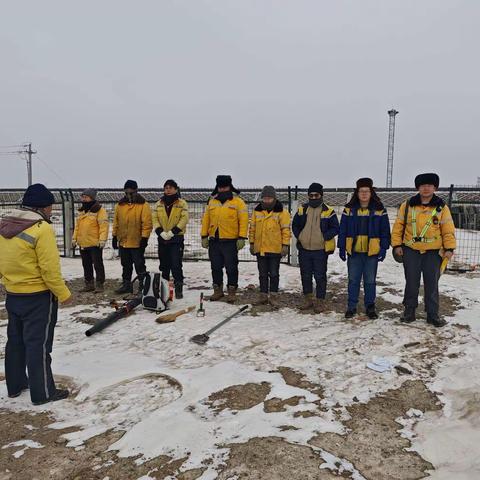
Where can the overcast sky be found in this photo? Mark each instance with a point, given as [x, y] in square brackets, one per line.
[271, 91]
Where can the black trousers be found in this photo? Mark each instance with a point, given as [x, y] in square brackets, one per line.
[313, 263]
[224, 255]
[31, 323]
[93, 258]
[415, 265]
[171, 260]
[129, 258]
[269, 272]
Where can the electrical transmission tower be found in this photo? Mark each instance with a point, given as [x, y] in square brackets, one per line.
[391, 138]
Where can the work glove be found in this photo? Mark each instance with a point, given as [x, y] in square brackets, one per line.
[143, 242]
[382, 255]
[176, 230]
[158, 231]
[240, 243]
[284, 251]
[342, 254]
[114, 243]
[74, 243]
[205, 242]
[101, 244]
[252, 249]
[167, 235]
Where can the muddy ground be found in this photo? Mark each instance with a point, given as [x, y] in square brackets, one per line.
[373, 442]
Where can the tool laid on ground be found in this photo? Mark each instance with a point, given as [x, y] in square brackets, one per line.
[171, 317]
[201, 310]
[203, 338]
[121, 312]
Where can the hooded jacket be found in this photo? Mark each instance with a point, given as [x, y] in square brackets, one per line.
[91, 227]
[132, 221]
[440, 234]
[29, 258]
[269, 230]
[355, 227]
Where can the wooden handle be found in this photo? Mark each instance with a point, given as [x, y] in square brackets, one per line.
[171, 317]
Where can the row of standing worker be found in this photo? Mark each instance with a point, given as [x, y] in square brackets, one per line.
[422, 238]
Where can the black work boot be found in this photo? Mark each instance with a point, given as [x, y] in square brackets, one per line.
[89, 286]
[179, 290]
[436, 322]
[58, 395]
[99, 287]
[408, 315]
[350, 313]
[371, 312]
[125, 288]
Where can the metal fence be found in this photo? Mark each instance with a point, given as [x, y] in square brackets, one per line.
[463, 201]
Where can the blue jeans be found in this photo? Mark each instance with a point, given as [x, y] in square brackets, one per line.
[313, 263]
[360, 265]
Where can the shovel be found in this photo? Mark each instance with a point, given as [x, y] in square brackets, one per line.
[201, 310]
[203, 338]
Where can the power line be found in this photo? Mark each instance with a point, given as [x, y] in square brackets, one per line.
[53, 171]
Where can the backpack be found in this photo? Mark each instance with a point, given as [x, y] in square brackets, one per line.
[155, 293]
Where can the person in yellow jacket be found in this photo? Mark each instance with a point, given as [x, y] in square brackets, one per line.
[132, 226]
[90, 235]
[422, 237]
[224, 232]
[30, 272]
[269, 240]
[170, 218]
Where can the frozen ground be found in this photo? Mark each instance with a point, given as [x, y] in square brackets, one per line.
[274, 394]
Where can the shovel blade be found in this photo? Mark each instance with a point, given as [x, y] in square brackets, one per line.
[201, 339]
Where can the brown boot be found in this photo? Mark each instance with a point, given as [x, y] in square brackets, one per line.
[262, 299]
[232, 294]
[274, 300]
[217, 293]
[99, 287]
[307, 302]
[318, 305]
[89, 287]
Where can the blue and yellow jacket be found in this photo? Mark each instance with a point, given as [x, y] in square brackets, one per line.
[364, 230]
[328, 225]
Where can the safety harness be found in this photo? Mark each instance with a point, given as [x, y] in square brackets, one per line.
[421, 238]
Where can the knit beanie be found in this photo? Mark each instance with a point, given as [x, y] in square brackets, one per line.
[132, 184]
[90, 192]
[268, 191]
[315, 188]
[171, 183]
[38, 196]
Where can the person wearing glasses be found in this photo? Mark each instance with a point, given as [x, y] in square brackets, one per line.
[315, 226]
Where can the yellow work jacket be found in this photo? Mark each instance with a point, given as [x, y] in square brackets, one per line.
[178, 216]
[132, 222]
[29, 258]
[269, 230]
[439, 235]
[91, 227]
[229, 218]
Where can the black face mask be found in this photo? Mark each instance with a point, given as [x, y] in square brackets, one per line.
[315, 202]
[86, 206]
[224, 196]
[131, 197]
[268, 206]
[169, 199]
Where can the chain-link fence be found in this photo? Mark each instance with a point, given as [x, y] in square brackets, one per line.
[463, 201]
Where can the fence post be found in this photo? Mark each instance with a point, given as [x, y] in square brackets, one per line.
[68, 222]
[293, 240]
[450, 195]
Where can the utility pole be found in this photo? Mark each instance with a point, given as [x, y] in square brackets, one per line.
[29, 152]
[391, 138]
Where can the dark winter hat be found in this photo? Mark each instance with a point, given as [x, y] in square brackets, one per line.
[223, 181]
[427, 179]
[364, 182]
[38, 196]
[90, 192]
[268, 191]
[132, 184]
[171, 183]
[315, 188]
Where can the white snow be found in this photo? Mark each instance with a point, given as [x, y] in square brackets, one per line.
[22, 443]
[149, 380]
